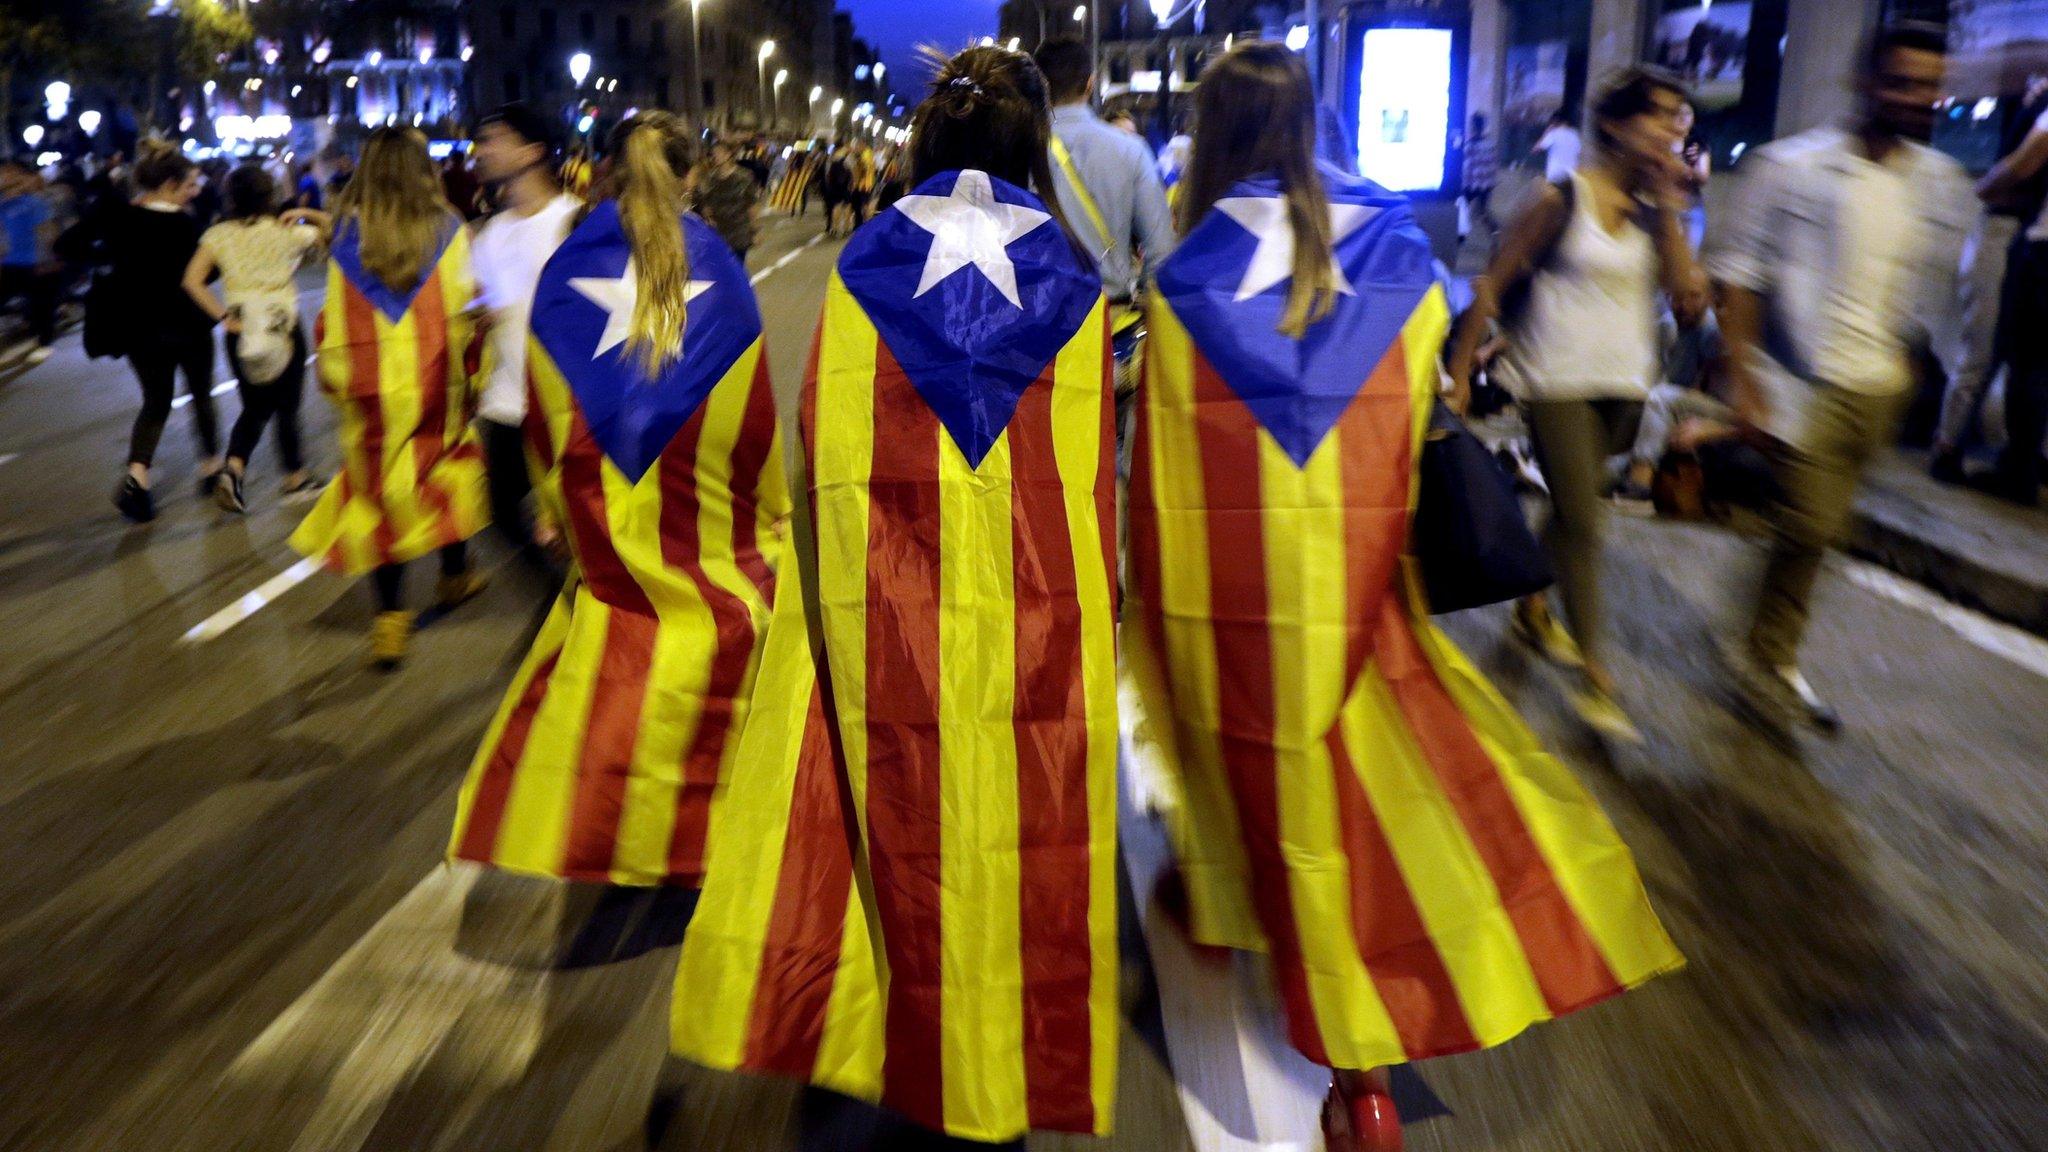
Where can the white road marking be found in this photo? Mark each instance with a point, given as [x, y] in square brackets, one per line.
[220, 388]
[2022, 648]
[787, 257]
[8, 456]
[251, 602]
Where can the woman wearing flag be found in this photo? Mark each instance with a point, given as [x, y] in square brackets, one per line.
[651, 430]
[911, 895]
[393, 341]
[1346, 793]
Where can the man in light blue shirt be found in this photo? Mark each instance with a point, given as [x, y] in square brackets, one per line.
[1118, 207]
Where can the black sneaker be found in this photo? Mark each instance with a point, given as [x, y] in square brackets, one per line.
[134, 500]
[1947, 467]
[227, 492]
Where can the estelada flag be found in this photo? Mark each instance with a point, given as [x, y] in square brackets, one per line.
[1355, 799]
[912, 894]
[395, 364]
[603, 759]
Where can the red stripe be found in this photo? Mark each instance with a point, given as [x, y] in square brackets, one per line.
[435, 366]
[366, 392]
[1392, 940]
[487, 810]
[1373, 463]
[1568, 964]
[902, 801]
[1239, 615]
[749, 456]
[590, 530]
[1050, 717]
[734, 625]
[605, 763]
[800, 957]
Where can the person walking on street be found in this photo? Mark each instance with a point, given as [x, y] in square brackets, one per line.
[728, 198]
[1324, 741]
[28, 265]
[165, 334]
[393, 340]
[2016, 183]
[515, 155]
[1575, 286]
[257, 255]
[1838, 257]
[1560, 146]
[1481, 175]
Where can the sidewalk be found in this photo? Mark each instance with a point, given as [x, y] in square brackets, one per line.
[1980, 552]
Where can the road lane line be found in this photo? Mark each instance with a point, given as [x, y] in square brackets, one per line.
[8, 456]
[250, 603]
[787, 257]
[2022, 648]
[220, 388]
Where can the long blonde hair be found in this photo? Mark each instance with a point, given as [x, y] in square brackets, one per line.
[400, 214]
[1255, 112]
[650, 155]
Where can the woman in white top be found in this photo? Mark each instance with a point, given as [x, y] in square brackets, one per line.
[1574, 286]
[257, 255]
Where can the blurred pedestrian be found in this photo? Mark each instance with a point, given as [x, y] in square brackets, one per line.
[728, 199]
[2016, 183]
[1481, 175]
[394, 338]
[28, 263]
[516, 156]
[459, 184]
[1330, 747]
[967, 693]
[257, 255]
[1837, 260]
[164, 334]
[1575, 285]
[837, 190]
[653, 433]
[1559, 146]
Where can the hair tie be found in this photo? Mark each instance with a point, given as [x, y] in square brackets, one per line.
[967, 82]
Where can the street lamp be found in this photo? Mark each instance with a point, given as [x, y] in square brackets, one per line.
[579, 67]
[696, 99]
[1080, 13]
[761, 65]
[89, 121]
[775, 106]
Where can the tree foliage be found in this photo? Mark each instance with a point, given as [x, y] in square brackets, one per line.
[209, 32]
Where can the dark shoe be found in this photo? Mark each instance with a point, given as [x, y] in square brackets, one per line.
[1633, 499]
[227, 492]
[1766, 697]
[134, 500]
[208, 482]
[455, 591]
[1947, 467]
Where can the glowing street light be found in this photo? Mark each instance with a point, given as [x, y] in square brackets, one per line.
[374, 59]
[1297, 38]
[32, 135]
[89, 121]
[881, 70]
[817, 90]
[838, 106]
[1014, 41]
[1080, 13]
[579, 67]
[761, 67]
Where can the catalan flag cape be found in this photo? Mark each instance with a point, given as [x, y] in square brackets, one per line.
[603, 759]
[395, 364]
[911, 894]
[1354, 798]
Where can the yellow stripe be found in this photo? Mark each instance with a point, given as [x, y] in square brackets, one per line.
[1214, 866]
[543, 794]
[1452, 890]
[980, 941]
[1304, 536]
[717, 981]
[839, 479]
[546, 644]
[552, 404]
[850, 1050]
[1080, 391]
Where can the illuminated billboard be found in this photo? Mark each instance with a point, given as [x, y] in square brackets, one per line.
[1404, 107]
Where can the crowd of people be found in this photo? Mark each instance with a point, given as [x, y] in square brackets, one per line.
[1055, 412]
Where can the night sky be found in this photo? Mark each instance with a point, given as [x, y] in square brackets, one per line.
[897, 27]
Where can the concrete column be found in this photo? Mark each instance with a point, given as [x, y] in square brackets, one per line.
[1617, 37]
[1486, 61]
[1820, 52]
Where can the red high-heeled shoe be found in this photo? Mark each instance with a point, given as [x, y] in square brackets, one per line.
[1370, 1123]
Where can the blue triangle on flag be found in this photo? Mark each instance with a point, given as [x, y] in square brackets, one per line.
[1299, 389]
[967, 349]
[634, 418]
[348, 256]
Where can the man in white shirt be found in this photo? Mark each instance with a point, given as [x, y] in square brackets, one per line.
[515, 155]
[1560, 145]
[1838, 261]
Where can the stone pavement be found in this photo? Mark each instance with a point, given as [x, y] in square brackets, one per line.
[1979, 551]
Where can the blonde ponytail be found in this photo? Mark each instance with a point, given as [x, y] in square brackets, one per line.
[649, 191]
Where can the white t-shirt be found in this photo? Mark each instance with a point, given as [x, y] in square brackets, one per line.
[1589, 330]
[507, 256]
[1560, 147]
[1861, 351]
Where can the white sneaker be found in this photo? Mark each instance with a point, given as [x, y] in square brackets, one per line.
[37, 355]
[1819, 712]
[1603, 714]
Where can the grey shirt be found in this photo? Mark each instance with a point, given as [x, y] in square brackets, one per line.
[1119, 174]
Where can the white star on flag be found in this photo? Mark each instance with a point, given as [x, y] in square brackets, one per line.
[1265, 217]
[617, 297]
[971, 226]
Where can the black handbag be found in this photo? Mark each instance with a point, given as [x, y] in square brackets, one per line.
[105, 329]
[1469, 535]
